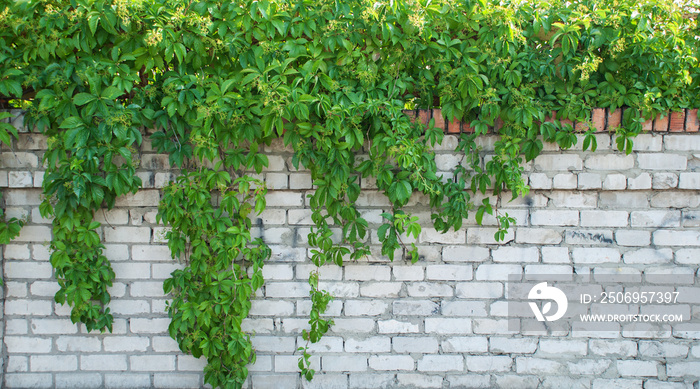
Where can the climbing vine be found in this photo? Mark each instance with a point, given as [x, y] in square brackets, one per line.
[218, 80]
[9, 229]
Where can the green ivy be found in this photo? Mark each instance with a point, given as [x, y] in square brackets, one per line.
[217, 80]
[211, 296]
[9, 229]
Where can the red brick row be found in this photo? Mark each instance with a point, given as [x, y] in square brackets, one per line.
[602, 120]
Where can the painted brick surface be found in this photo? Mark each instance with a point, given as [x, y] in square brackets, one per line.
[438, 323]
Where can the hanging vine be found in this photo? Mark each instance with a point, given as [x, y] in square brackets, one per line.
[217, 80]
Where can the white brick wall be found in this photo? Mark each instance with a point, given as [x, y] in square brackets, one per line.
[441, 322]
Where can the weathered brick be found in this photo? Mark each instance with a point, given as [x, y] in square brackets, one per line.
[150, 253]
[365, 307]
[681, 369]
[146, 289]
[528, 365]
[116, 252]
[279, 198]
[16, 251]
[531, 270]
[271, 308]
[391, 362]
[16, 327]
[126, 343]
[499, 272]
[588, 181]
[289, 363]
[274, 343]
[176, 380]
[676, 238]
[429, 289]
[555, 255]
[614, 162]
[441, 363]
[623, 200]
[132, 270]
[340, 326]
[569, 199]
[142, 198]
[595, 255]
[662, 349]
[28, 380]
[34, 234]
[537, 236]
[447, 325]
[381, 289]
[419, 380]
[415, 344]
[646, 256]
[367, 273]
[554, 218]
[624, 348]
[149, 326]
[637, 368]
[675, 200]
[152, 362]
[516, 254]
[588, 366]
[689, 181]
[681, 142]
[662, 161]
[647, 142]
[485, 235]
[281, 381]
[449, 272]
[43, 363]
[103, 362]
[554, 162]
[615, 182]
[78, 344]
[642, 181]
[374, 344]
[665, 218]
[688, 256]
[565, 181]
[489, 363]
[464, 308]
[516, 381]
[656, 384]
[78, 380]
[589, 237]
[31, 270]
[540, 181]
[465, 344]
[19, 179]
[53, 326]
[430, 235]
[569, 347]
[28, 307]
[499, 345]
[127, 234]
[664, 180]
[479, 290]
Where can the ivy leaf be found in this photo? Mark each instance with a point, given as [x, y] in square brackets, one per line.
[72, 122]
[111, 93]
[403, 191]
[83, 98]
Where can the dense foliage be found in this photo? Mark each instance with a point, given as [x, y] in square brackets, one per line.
[219, 79]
